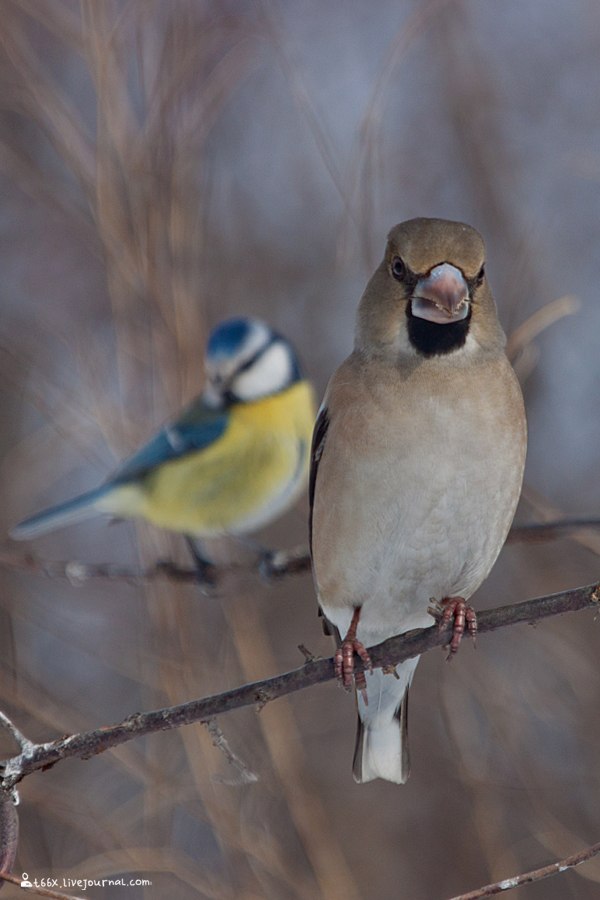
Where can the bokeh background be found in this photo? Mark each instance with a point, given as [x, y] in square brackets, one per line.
[164, 165]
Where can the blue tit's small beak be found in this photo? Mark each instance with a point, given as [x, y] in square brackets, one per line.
[213, 391]
[442, 296]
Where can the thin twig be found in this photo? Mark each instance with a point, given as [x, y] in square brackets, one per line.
[271, 566]
[247, 776]
[18, 736]
[276, 565]
[549, 531]
[507, 884]
[539, 321]
[257, 694]
[546, 512]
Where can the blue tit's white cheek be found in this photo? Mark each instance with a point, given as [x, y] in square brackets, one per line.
[225, 360]
[258, 336]
[272, 372]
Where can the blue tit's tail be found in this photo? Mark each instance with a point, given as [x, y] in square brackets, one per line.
[75, 510]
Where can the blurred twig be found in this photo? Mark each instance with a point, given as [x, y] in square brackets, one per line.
[548, 512]
[507, 884]
[389, 653]
[277, 564]
[521, 348]
[549, 531]
[539, 321]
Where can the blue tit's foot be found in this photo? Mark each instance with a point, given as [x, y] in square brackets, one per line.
[206, 571]
[267, 564]
[264, 560]
[274, 564]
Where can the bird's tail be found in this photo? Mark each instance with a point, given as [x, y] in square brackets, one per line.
[381, 739]
[74, 510]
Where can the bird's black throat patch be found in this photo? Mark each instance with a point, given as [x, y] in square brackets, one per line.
[431, 339]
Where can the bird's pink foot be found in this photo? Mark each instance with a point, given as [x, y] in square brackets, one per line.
[463, 617]
[344, 658]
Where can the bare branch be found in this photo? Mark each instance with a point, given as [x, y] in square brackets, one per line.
[18, 736]
[507, 884]
[388, 653]
[9, 833]
[275, 565]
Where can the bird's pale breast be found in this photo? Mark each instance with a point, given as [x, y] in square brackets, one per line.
[416, 490]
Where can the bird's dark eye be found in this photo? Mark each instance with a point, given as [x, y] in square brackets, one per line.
[480, 275]
[398, 268]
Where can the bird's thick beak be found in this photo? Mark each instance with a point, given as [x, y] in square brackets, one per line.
[442, 296]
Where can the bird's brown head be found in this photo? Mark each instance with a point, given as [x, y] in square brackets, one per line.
[429, 294]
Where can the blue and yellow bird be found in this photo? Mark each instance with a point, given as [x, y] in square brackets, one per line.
[233, 461]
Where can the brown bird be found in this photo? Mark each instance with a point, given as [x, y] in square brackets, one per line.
[417, 465]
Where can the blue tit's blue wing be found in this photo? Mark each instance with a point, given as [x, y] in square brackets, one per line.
[197, 428]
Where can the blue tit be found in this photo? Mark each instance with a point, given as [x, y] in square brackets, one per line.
[233, 461]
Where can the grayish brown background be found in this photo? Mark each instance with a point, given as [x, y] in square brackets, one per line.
[166, 164]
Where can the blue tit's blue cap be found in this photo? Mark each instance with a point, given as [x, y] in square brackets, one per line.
[229, 337]
[238, 346]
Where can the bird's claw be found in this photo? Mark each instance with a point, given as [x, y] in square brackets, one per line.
[206, 574]
[462, 616]
[344, 664]
[206, 571]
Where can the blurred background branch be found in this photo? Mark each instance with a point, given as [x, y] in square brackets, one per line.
[508, 884]
[269, 564]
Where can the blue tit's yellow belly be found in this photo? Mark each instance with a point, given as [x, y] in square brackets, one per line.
[248, 477]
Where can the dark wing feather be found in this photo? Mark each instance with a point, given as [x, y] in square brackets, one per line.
[316, 452]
